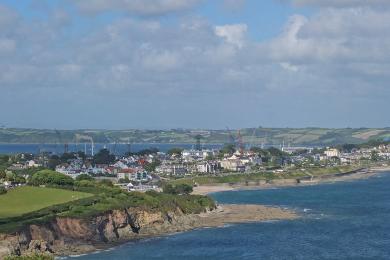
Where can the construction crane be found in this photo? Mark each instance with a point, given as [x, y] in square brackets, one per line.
[232, 139]
[80, 137]
[198, 138]
[66, 147]
[240, 142]
[253, 137]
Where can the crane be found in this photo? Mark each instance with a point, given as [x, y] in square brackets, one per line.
[61, 141]
[198, 138]
[240, 142]
[232, 139]
[80, 137]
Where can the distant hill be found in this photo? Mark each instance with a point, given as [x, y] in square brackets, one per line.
[251, 136]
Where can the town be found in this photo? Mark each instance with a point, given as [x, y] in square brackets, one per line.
[147, 169]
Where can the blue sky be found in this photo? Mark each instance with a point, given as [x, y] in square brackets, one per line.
[194, 63]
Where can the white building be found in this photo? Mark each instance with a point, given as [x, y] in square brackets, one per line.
[332, 153]
[208, 167]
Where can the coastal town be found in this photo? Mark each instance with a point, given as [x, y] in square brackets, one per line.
[147, 169]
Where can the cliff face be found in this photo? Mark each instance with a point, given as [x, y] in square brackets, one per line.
[72, 236]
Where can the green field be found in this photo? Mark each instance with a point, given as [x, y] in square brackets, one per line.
[250, 136]
[27, 199]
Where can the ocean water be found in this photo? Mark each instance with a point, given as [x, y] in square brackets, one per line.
[349, 220]
[118, 149]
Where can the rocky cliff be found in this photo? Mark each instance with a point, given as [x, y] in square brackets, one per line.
[64, 236]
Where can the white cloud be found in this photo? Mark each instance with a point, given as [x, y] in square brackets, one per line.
[233, 33]
[7, 46]
[336, 51]
[343, 3]
[234, 5]
[139, 7]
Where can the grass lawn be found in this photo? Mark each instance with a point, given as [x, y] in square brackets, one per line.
[27, 199]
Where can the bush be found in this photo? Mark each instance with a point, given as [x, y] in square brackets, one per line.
[84, 177]
[177, 189]
[31, 257]
[49, 177]
[2, 190]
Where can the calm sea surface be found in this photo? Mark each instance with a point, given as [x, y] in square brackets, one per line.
[349, 220]
[114, 148]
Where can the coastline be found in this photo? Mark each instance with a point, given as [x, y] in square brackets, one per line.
[281, 183]
[72, 236]
[75, 237]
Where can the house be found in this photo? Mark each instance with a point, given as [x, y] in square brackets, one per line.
[208, 167]
[233, 163]
[175, 170]
[133, 174]
[32, 164]
[332, 153]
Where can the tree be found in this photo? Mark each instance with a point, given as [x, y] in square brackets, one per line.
[179, 189]
[175, 151]
[375, 156]
[67, 156]
[84, 177]
[2, 174]
[3, 190]
[49, 177]
[275, 152]
[151, 167]
[106, 183]
[54, 160]
[228, 149]
[125, 180]
[103, 157]
[81, 155]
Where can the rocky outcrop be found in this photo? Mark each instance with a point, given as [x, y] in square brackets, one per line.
[72, 236]
[66, 236]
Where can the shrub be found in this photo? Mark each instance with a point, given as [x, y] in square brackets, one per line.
[2, 190]
[84, 177]
[49, 177]
[177, 189]
[31, 257]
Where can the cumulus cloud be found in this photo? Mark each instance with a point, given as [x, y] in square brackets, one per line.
[334, 52]
[139, 7]
[7, 17]
[232, 33]
[343, 3]
[234, 5]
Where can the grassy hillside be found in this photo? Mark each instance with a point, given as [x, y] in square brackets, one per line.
[251, 136]
[32, 205]
[28, 199]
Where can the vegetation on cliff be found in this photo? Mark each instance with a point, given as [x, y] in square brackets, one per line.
[98, 198]
[31, 257]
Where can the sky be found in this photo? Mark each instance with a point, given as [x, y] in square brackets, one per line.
[161, 64]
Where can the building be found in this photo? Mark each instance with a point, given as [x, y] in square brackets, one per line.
[233, 163]
[332, 153]
[208, 167]
[133, 175]
[174, 170]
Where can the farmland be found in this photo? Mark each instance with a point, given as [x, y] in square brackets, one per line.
[27, 199]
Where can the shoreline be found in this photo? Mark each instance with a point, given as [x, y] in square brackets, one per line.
[284, 183]
[72, 237]
[223, 215]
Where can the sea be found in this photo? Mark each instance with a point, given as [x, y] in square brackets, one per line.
[343, 220]
[118, 149]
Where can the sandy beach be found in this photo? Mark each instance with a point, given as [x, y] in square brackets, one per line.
[233, 213]
[212, 188]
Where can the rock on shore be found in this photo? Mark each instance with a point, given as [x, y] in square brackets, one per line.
[65, 236]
